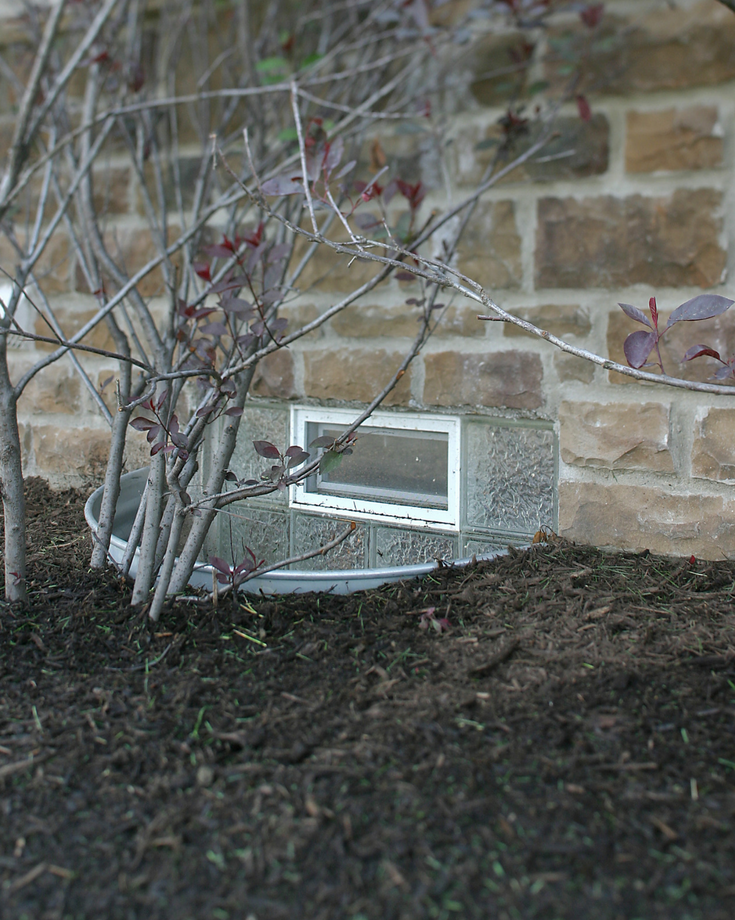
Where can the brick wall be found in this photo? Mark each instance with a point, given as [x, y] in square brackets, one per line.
[643, 205]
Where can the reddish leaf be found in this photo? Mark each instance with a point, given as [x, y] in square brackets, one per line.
[267, 450]
[634, 313]
[204, 270]
[583, 107]
[220, 565]
[698, 351]
[298, 459]
[703, 306]
[592, 14]
[234, 411]
[638, 346]
[142, 423]
[654, 311]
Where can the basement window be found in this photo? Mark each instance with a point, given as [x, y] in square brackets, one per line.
[403, 467]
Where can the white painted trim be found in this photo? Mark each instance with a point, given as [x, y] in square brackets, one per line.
[377, 511]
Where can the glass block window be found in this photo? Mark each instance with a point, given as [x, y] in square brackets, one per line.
[403, 468]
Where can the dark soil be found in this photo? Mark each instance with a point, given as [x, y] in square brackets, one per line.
[565, 750]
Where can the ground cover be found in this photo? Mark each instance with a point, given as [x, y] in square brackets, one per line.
[566, 748]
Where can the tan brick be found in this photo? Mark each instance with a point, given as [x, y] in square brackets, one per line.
[72, 313]
[111, 188]
[354, 374]
[328, 270]
[510, 379]
[490, 60]
[713, 450]
[610, 514]
[69, 456]
[672, 139]
[53, 268]
[56, 388]
[402, 320]
[718, 333]
[615, 436]
[301, 314]
[588, 142]
[665, 49]
[613, 242]
[490, 249]
[132, 248]
[561, 320]
[570, 368]
[274, 376]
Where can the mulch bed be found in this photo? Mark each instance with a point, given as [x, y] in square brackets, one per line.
[566, 749]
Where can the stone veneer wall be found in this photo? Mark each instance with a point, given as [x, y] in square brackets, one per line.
[644, 206]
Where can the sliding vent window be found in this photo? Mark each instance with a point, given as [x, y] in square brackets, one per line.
[400, 467]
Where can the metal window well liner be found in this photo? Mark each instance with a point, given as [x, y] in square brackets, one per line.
[344, 581]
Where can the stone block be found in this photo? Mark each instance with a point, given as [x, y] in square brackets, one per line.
[615, 436]
[495, 63]
[56, 389]
[402, 321]
[570, 368]
[357, 374]
[610, 514]
[717, 333]
[613, 242]
[713, 450]
[508, 379]
[673, 139]
[274, 376]
[561, 320]
[132, 248]
[53, 268]
[490, 249]
[111, 190]
[301, 314]
[69, 456]
[587, 141]
[72, 313]
[328, 270]
[661, 49]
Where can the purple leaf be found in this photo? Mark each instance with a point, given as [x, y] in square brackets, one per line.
[230, 476]
[267, 450]
[162, 398]
[298, 459]
[704, 306]
[334, 155]
[697, 351]
[323, 441]
[634, 313]
[279, 252]
[283, 185]
[220, 565]
[638, 346]
[293, 450]
[153, 433]
[142, 423]
[722, 373]
[367, 221]
[234, 411]
[214, 329]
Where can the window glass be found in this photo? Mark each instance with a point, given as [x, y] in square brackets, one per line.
[409, 467]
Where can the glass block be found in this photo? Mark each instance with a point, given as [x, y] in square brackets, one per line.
[310, 532]
[265, 531]
[509, 478]
[410, 547]
[481, 545]
[260, 424]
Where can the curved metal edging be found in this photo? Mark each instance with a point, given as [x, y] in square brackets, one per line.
[337, 581]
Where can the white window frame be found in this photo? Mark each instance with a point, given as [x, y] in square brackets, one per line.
[373, 510]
